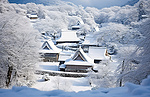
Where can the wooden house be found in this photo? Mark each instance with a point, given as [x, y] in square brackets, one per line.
[79, 62]
[49, 52]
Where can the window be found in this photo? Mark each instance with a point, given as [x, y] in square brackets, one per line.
[97, 61]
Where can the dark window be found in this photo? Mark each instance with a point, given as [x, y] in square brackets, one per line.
[50, 55]
[97, 61]
[75, 28]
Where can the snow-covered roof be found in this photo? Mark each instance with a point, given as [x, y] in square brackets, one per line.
[80, 21]
[67, 44]
[63, 56]
[144, 16]
[79, 58]
[62, 66]
[68, 36]
[75, 27]
[84, 56]
[49, 47]
[32, 15]
[97, 53]
[47, 51]
[89, 40]
[71, 62]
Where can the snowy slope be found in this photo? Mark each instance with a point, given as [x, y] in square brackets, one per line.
[62, 83]
[129, 90]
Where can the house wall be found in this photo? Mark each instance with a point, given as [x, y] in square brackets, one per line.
[59, 42]
[77, 68]
[33, 17]
[50, 57]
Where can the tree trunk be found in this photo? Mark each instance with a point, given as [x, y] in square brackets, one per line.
[9, 74]
[122, 70]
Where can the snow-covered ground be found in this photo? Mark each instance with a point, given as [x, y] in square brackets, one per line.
[57, 82]
[51, 66]
[62, 83]
[129, 90]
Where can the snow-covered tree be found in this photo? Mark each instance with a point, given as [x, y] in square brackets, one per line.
[3, 1]
[127, 63]
[18, 50]
[62, 84]
[114, 34]
[140, 57]
[105, 77]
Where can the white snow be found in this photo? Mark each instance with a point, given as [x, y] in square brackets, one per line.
[129, 90]
[71, 62]
[112, 33]
[51, 66]
[51, 47]
[65, 84]
[97, 53]
[68, 36]
[64, 55]
[87, 58]
[90, 40]
[62, 66]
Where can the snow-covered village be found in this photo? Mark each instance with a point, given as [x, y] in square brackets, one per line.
[74, 48]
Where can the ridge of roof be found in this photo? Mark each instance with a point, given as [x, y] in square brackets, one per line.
[51, 46]
[83, 55]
